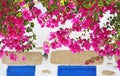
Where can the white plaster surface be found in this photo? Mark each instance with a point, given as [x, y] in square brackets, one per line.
[46, 65]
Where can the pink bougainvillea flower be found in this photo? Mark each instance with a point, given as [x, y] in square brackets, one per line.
[1, 53]
[35, 11]
[86, 44]
[22, 3]
[52, 35]
[13, 56]
[86, 24]
[74, 46]
[1, 14]
[118, 42]
[46, 47]
[23, 58]
[117, 52]
[103, 39]
[55, 45]
[118, 62]
[27, 14]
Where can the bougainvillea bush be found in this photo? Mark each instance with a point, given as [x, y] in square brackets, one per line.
[15, 23]
[85, 16]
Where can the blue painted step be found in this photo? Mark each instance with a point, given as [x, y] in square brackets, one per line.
[76, 70]
[21, 71]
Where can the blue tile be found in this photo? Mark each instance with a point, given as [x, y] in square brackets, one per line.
[76, 70]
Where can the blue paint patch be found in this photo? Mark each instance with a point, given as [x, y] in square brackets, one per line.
[21, 71]
[76, 70]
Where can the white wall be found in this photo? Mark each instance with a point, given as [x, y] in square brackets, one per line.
[41, 37]
[53, 68]
[46, 65]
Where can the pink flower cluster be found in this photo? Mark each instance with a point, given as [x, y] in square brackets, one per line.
[118, 62]
[83, 19]
[31, 14]
[13, 28]
[100, 39]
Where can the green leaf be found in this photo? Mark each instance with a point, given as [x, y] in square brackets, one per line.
[31, 48]
[11, 13]
[53, 6]
[29, 29]
[26, 22]
[26, 1]
[81, 19]
[34, 37]
[0, 24]
[86, 5]
[8, 2]
[33, 45]
[31, 5]
[30, 37]
[108, 1]
[100, 13]
[96, 17]
[30, 42]
[32, 24]
[86, 0]
[118, 3]
[42, 1]
[19, 14]
[75, 11]
[28, 49]
[113, 21]
[66, 3]
[101, 3]
[18, 7]
[0, 28]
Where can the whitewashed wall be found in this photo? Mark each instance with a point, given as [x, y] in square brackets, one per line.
[46, 65]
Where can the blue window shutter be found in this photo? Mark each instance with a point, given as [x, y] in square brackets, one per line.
[29, 71]
[76, 70]
[21, 71]
[64, 71]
